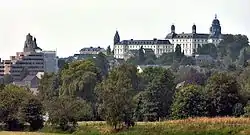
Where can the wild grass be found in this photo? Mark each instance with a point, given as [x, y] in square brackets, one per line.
[191, 126]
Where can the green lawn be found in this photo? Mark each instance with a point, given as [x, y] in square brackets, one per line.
[197, 126]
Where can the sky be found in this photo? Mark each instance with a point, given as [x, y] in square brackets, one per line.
[69, 25]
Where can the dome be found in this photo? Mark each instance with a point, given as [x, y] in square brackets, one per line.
[216, 21]
[194, 27]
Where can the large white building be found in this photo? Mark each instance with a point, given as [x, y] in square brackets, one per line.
[189, 42]
[123, 48]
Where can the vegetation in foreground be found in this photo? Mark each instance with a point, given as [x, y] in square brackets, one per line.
[191, 126]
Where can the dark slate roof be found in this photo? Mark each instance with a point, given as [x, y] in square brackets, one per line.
[143, 42]
[91, 49]
[84, 56]
[148, 50]
[29, 77]
[187, 35]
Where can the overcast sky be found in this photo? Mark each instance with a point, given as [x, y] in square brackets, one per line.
[69, 25]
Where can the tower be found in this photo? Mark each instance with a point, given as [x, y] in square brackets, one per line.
[116, 38]
[172, 29]
[194, 29]
[30, 44]
[215, 29]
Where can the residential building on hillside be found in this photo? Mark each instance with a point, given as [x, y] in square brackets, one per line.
[29, 62]
[92, 50]
[189, 41]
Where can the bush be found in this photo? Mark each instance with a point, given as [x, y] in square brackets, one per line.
[64, 113]
[32, 112]
[238, 110]
[189, 102]
[247, 110]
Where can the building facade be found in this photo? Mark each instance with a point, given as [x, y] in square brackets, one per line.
[189, 42]
[122, 48]
[29, 62]
[92, 50]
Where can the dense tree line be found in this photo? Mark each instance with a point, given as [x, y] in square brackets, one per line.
[88, 90]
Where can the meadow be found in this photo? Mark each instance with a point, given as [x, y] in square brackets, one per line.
[192, 126]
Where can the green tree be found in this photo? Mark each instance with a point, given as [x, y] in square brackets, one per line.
[108, 50]
[115, 95]
[148, 76]
[243, 58]
[79, 80]
[166, 58]
[190, 101]
[138, 110]
[158, 95]
[141, 56]
[32, 111]
[247, 110]
[208, 49]
[178, 54]
[232, 45]
[64, 112]
[223, 93]
[187, 61]
[11, 100]
[49, 86]
[7, 79]
[244, 82]
[101, 63]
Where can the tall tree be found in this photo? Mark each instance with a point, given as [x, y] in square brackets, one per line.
[166, 58]
[49, 86]
[141, 57]
[178, 54]
[7, 79]
[115, 97]
[108, 50]
[243, 58]
[11, 100]
[244, 81]
[223, 93]
[79, 80]
[102, 63]
[190, 101]
[64, 112]
[208, 49]
[32, 111]
[158, 96]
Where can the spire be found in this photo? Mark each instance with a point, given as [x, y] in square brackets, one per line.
[215, 16]
[194, 28]
[116, 37]
[172, 28]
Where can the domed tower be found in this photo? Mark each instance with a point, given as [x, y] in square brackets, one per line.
[116, 38]
[194, 29]
[172, 29]
[215, 29]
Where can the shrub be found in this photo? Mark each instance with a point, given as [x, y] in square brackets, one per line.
[238, 110]
[247, 110]
[189, 102]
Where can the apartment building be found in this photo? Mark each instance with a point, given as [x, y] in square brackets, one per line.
[29, 62]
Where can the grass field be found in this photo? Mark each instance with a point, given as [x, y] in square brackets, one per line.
[195, 126]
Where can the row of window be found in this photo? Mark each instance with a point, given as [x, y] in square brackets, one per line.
[186, 40]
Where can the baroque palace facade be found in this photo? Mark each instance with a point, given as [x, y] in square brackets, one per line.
[189, 42]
